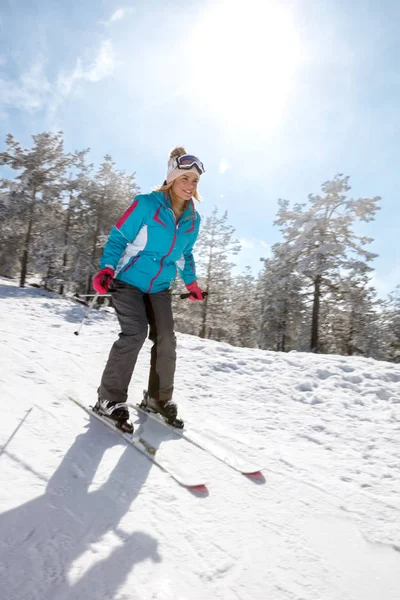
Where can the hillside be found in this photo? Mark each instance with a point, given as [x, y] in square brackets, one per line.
[85, 516]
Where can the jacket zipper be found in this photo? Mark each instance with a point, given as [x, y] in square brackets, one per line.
[129, 265]
[166, 255]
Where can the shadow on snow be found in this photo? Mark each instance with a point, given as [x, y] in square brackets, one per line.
[41, 539]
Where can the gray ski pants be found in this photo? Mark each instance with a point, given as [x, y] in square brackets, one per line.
[137, 312]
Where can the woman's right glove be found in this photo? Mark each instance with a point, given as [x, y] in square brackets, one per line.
[102, 280]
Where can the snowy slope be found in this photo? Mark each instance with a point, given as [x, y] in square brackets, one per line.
[84, 516]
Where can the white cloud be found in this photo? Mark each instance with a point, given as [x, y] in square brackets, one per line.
[32, 91]
[224, 166]
[118, 14]
[248, 244]
[254, 244]
[29, 92]
[2, 61]
[102, 66]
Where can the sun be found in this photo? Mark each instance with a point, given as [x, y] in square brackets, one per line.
[243, 58]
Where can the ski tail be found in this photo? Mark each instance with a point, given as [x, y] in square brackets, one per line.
[187, 480]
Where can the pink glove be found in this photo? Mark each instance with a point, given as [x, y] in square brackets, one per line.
[102, 280]
[196, 294]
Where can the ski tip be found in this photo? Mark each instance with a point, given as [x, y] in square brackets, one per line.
[255, 476]
[198, 489]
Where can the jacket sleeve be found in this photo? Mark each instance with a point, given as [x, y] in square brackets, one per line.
[124, 232]
[186, 266]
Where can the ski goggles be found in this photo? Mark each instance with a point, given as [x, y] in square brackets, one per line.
[187, 161]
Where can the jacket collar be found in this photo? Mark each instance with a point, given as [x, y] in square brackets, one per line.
[189, 212]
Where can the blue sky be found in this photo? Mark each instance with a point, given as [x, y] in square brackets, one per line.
[274, 97]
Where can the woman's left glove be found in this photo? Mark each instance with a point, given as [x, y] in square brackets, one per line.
[196, 294]
[102, 280]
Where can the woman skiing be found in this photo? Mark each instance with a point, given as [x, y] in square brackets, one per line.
[152, 240]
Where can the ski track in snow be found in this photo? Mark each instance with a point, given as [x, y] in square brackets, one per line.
[83, 515]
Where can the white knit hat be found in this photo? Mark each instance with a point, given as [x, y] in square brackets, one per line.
[173, 171]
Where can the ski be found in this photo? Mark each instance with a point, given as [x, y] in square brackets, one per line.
[229, 457]
[184, 479]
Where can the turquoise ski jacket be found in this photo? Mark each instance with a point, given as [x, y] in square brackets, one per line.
[147, 247]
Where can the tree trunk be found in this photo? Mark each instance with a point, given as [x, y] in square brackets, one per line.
[284, 327]
[261, 334]
[315, 314]
[65, 255]
[203, 329]
[350, 336]
[89, 285]
[283, 343]
[24, 268]
[25, 253]
[93, 257]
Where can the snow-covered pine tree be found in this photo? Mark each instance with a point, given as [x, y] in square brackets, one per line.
[74, 191]
[11, 228]
[55, 245]
[106, 199]
[245, 311]
[390, 326]
[348, 316]
[282, 302]
[320, 239]
[46, 247]
[37, 186]
[214, 249]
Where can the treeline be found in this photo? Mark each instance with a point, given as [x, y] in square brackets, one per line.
[313, 294]
[57, 211]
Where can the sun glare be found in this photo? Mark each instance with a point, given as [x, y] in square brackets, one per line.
[243, 57]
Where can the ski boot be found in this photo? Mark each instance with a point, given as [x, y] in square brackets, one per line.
[115, 411]
[166, 408]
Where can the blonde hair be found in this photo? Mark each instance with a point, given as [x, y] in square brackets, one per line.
[165, 187]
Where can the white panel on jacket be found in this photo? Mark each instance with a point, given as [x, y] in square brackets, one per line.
[132, 249]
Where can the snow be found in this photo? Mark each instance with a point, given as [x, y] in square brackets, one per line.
[84, 515]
